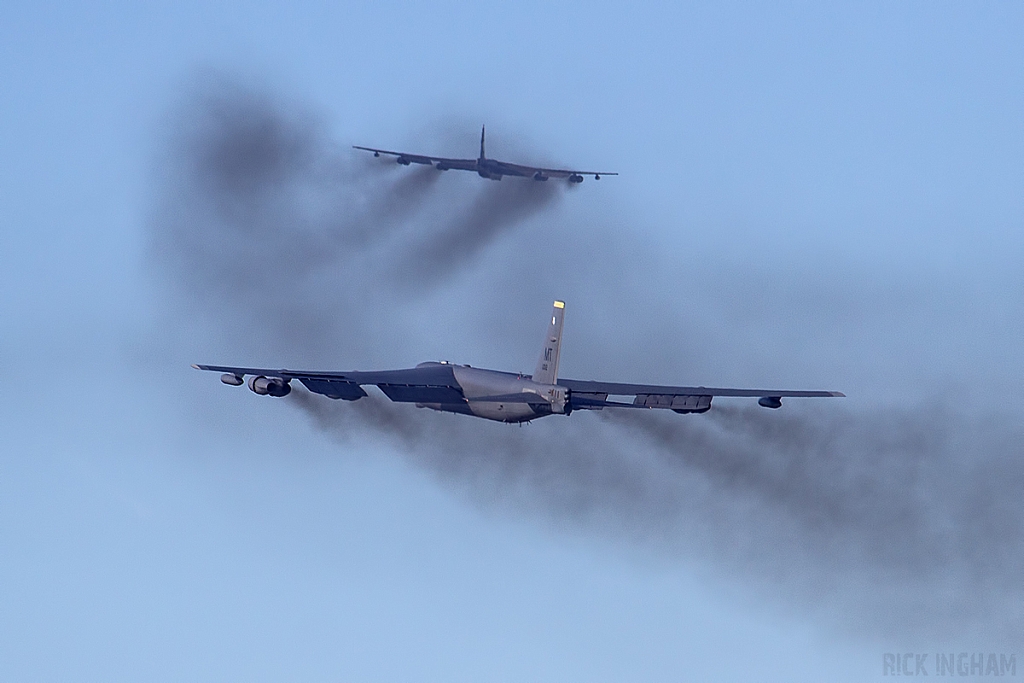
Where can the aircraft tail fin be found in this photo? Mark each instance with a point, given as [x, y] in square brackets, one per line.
[483, 129]
[547, 366]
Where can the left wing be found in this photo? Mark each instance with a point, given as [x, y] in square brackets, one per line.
[432, 383]
[405, 158]
[589, 395]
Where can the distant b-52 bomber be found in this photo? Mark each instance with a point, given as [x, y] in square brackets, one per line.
[484, 167]
[500, 396]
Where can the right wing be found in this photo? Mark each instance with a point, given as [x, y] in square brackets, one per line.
[589, 395]
[539, 172]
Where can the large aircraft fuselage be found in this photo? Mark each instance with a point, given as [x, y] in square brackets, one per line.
[489, 168]
[501, 396]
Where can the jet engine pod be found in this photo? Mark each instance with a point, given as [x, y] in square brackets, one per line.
[539, 176]
[772, 402]
[269, 386]
[575, 178]
[231, 378]
[403, 161]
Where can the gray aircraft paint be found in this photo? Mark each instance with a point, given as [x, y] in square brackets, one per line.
[547, 365]
[496, 395]
[491, 169]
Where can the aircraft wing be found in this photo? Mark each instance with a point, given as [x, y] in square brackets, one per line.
[589, 395]
[499, 167]
[535, 171]
[436, 383]
[407, 158]
[430, 384]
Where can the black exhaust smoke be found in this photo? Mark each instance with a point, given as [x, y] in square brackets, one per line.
[902, 521]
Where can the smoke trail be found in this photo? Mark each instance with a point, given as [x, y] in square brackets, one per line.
[495, 210]
[893, 520]
[923, 499]
[261, 213]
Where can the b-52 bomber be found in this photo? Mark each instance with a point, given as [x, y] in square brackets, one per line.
[501, 396]
[484, 167]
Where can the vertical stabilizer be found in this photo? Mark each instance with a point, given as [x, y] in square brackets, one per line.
[483, 129]
[547, 366]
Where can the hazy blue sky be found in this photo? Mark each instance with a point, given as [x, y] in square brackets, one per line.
[810, 196]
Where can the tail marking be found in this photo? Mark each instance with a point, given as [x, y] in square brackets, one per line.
[547, 366]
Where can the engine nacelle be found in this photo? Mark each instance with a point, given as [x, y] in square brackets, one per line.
[539, 176]
[403, 161]
[772, 402]
[575, 178]
[269, 386]
[231, 378]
